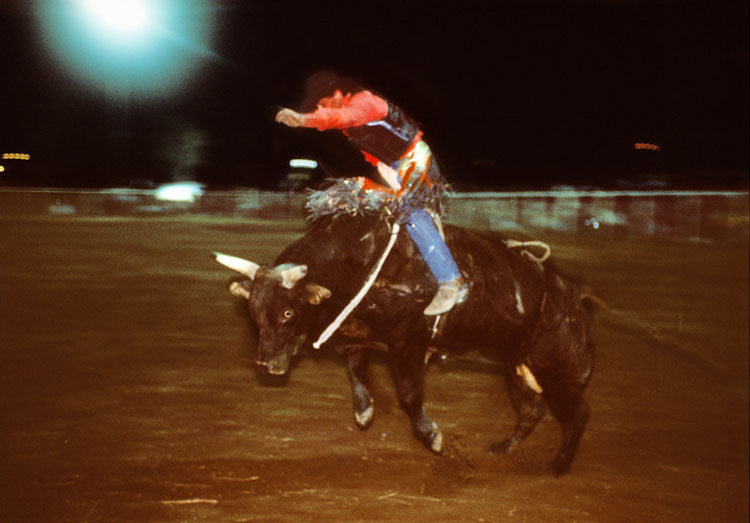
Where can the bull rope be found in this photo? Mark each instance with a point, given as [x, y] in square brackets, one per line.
[511, 244]
[361, 294]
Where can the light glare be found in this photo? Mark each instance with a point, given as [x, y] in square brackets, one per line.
[128, 48]
[179, 192]
[303, 163]
[122, 16]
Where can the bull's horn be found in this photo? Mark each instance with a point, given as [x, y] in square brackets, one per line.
[291, 274]
[240, 265]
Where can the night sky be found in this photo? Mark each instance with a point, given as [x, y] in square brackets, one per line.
[510, 94]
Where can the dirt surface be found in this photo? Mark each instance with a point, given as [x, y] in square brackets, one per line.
[128, 392]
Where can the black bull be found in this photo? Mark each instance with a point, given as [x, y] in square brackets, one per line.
[523, 314]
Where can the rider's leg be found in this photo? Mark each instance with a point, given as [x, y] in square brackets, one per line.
[434, 251]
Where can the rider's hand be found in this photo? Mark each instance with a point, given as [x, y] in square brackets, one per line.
[290, 118]
[389, 175]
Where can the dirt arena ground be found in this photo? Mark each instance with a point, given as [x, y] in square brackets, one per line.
[128, 392]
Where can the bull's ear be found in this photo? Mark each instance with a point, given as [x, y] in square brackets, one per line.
[317, 293]
[291, 274]
[241, 289]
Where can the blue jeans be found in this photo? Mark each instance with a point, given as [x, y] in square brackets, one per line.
[431, 246]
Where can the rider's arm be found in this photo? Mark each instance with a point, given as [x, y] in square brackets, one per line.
[389, 175]
[358, 109]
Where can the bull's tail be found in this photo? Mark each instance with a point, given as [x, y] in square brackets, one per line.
[590, 301]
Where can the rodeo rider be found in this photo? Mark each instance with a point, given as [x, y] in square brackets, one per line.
[392, 142]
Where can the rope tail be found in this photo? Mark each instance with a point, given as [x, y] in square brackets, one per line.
[361, 294]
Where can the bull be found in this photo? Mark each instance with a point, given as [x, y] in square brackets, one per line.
[521, 313]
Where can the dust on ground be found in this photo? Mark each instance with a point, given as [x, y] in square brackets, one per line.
[128, 392]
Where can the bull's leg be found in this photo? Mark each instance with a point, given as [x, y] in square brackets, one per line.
[572, 412]
[528, 404]
[408, 368]
[364, 405]
[563, 377]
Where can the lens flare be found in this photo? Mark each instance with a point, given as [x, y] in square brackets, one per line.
[128, 48]
[124, 17]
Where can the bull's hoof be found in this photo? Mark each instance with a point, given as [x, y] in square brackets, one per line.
[431, 438]
[437, 441]
[503, 447]
[561, 465]
[273, 368]
[364, 418]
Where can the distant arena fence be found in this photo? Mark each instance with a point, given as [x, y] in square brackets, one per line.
[692, 215]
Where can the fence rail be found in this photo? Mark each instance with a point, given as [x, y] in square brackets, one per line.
[709, 215]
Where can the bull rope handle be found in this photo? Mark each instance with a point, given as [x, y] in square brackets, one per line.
[361, 294]
[511, 244]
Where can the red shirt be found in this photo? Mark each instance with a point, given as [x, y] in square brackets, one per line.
[342, 111]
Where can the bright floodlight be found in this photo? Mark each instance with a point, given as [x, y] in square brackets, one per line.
[128, 48]
[123, 17]
[121, 25]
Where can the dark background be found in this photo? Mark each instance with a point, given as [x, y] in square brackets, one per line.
[512, 94]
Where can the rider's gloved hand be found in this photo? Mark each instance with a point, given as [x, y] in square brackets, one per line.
[290, 118]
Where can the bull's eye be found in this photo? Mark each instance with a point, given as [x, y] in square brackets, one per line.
[287, 315]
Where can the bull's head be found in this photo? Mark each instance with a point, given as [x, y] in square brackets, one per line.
[278, 299]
